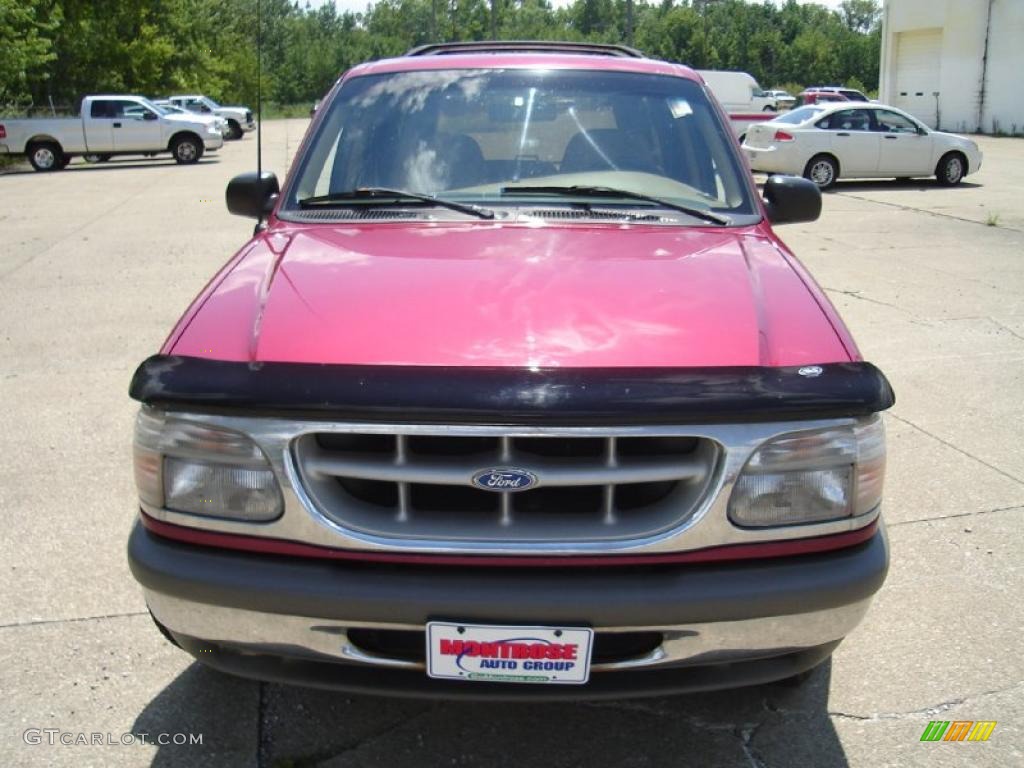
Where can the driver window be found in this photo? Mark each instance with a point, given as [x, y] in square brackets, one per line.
[101, 109]
[890, 122]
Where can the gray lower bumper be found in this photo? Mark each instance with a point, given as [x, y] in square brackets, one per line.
[326, 640]
[711, 614]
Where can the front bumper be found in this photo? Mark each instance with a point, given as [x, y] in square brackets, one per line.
[721, 625]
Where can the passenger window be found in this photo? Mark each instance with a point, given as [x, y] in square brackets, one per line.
[890, 122]
[847, 120]
[128, 109]
[101, 109]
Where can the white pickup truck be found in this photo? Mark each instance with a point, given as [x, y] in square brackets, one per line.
[107, 126]
[239, 118]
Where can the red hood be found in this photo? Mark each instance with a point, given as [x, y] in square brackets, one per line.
[513, 295]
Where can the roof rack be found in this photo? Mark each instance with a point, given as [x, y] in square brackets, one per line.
[525, 46]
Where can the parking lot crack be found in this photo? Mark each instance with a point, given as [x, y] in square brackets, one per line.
[860, 295]
[744, 732]
[746, 736]
[262, 742]
[955, 515]
[1004, 327]
[956, 448]
[912, 209]
[934, 709]
[45, 622]
[914, 319]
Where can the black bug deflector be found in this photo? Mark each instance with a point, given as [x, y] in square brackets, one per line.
[467, 395]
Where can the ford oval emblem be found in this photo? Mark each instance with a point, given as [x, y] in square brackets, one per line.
[504, 480]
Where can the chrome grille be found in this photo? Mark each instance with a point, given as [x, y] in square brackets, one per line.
[588, 488]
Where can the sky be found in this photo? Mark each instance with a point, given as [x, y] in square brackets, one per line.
[360, 5]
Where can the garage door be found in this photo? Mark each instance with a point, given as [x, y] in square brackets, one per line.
[918, 59]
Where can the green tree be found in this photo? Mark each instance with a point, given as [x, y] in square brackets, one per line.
[63, 49]
[26, 45]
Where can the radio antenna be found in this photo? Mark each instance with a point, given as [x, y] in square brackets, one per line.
[259, 90]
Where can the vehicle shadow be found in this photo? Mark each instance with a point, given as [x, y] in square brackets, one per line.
[77, 165]
[887, 185]
[245, 722]
[884, 185]
[120, 165]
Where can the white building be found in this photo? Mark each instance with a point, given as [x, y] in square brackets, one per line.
[955, 64]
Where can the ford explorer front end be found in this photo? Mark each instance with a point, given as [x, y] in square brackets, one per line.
[513, 393]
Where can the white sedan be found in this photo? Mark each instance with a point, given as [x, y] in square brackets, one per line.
[857, 140]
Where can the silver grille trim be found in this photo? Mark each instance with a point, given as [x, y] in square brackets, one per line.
[551, 473]
[707, 526]
[586, 488]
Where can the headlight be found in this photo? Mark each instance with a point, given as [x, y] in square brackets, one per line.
[188, 467]
[212, 128]
[812, 477]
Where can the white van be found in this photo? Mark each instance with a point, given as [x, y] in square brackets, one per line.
[738, 91]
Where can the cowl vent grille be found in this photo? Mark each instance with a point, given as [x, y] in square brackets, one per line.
[350, 214]
[576, 214]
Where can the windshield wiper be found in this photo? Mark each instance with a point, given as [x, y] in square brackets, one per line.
[610, 192]
[392, 196]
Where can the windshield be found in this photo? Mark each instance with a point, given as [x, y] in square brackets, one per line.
[467, 135]
[799, 115]
[210, 102]
[156, 108]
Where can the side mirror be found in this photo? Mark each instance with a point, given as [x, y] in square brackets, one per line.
[147, 115]
[791, 199]
[252, 195]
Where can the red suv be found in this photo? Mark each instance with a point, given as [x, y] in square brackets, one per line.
[817, 97]
[513, 392]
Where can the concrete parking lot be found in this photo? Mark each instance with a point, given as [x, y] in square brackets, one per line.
[97, 262]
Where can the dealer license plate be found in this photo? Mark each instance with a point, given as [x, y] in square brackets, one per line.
[488, 653]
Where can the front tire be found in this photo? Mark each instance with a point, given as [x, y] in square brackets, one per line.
[823, 170]
[46, 156]
[951, 169]
[187, 150]
[234, 131]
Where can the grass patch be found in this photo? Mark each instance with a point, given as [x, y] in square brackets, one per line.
[272, 111]
[12, 162]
